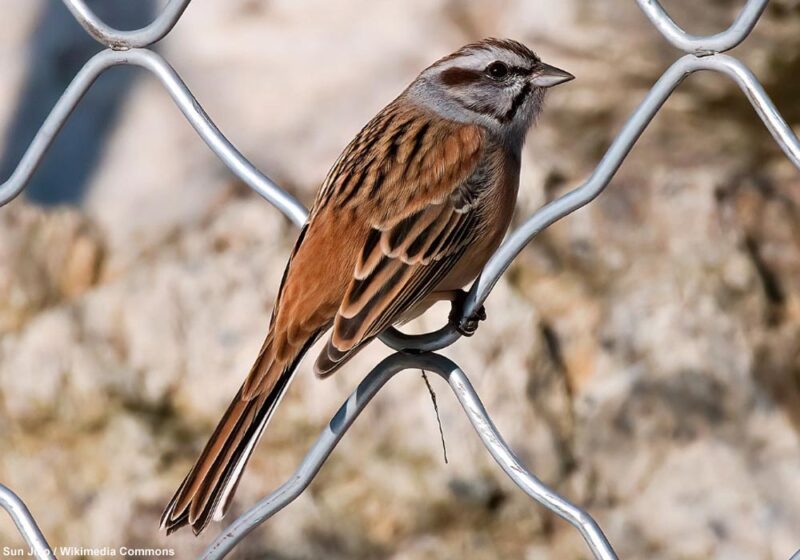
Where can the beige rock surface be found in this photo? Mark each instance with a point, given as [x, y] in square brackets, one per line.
[641, 356]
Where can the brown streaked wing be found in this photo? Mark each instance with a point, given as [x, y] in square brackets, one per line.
[408, 252]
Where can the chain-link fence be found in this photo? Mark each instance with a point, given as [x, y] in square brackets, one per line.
[131, 48]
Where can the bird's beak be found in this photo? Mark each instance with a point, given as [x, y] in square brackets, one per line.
[546, 76]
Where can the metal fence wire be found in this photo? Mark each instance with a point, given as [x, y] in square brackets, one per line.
[131, 47]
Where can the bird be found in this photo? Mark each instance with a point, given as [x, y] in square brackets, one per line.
[407, 216]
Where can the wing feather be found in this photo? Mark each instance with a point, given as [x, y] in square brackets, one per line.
[406, 254]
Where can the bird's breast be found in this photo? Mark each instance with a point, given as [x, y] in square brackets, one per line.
[496, 208]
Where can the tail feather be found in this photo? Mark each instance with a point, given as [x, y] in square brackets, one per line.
[207, 490]
[215, 481]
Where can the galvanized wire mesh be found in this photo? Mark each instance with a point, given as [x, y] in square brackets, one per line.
[130, 47]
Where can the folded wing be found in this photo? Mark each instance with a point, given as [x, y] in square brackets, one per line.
[431, 217]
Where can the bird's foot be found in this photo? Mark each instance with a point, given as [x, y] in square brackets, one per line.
[465, 325]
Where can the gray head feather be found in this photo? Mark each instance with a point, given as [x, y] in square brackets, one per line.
[492, 83]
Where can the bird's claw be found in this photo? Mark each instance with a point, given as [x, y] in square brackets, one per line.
[469, 325]
[466, 326]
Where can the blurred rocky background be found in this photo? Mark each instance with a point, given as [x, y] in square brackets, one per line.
[641, 356]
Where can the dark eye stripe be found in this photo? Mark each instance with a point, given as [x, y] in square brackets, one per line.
[456, 76]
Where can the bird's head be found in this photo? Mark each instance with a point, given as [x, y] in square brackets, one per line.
[499, 84]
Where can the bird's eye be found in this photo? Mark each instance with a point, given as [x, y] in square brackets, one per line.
[497, 70]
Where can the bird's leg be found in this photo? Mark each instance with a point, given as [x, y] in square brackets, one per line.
[465, 325]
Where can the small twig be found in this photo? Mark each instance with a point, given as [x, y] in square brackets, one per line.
[436, 409]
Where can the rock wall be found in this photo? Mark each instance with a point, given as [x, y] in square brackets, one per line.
[642, 356]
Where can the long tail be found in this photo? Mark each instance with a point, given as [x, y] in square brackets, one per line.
[207, 490]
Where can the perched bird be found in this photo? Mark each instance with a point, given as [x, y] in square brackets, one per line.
[408, 215]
